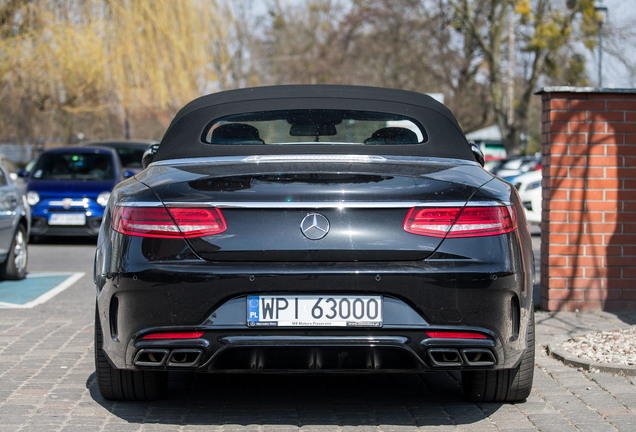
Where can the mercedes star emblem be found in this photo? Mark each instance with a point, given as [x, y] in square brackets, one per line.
[314, 226]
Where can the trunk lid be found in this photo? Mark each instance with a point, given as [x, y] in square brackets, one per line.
[314, 210]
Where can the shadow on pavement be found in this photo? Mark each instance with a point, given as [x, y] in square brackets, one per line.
[433, 399]
[628, 317]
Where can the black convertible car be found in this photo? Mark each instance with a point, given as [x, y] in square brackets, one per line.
[318, 229]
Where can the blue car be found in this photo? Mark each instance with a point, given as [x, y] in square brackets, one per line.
[68, 189]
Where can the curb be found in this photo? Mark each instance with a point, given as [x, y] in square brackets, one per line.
[590, 365]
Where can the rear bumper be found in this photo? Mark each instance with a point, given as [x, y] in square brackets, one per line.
[191, 298]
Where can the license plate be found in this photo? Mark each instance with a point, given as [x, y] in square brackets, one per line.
[67, 219]
[314, 311]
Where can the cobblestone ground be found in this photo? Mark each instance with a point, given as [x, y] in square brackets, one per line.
[47, 384]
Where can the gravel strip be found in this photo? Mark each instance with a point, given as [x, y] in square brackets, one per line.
[609, 347]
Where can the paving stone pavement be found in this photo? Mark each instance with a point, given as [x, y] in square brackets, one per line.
[47, 383]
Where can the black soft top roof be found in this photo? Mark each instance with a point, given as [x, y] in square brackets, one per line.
[183, 139]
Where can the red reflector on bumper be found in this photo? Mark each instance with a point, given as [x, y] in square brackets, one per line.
[175, 335]
[455, 335]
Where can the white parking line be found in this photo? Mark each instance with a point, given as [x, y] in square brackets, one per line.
[48, 294]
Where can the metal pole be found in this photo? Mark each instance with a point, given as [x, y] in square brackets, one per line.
[511, 69]
[600, 9]
[600, 54]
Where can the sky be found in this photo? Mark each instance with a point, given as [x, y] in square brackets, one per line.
[622, 14]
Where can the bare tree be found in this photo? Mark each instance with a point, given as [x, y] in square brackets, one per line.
[544, 28]
[410, 44]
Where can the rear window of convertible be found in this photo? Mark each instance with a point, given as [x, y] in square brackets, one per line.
[314, 126]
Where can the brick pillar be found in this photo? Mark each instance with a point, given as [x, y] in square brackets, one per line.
[588, 230]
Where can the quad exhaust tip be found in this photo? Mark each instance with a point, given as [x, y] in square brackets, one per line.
[151, 357]
[185, 357]
[478, 357]
[452, 357]
[157, 357]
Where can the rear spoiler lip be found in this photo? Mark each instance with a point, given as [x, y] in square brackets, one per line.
[314, 158]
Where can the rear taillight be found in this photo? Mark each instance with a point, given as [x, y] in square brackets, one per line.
[157, 222]
[461, 221]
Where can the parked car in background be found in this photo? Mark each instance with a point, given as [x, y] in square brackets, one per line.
[130, 151]
[492, 163]
[516, 165]
[314, 229]
[68, 189]
[529, 187]
[15, 225]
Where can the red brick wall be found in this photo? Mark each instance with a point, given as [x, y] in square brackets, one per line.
[588, 232]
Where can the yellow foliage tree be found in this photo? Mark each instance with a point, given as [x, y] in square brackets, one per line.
[163, 53]
[123, 56]
[52, 65]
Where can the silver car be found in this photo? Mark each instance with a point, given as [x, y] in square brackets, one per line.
[15, 224]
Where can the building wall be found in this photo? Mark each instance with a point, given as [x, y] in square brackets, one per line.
[588, 231]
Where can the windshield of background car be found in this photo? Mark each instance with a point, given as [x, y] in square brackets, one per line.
[130, 157]
[74, 166]
[314, 126]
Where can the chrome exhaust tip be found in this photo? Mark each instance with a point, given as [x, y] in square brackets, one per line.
[185, 357]
[151, 357]
[444, 357]
[478, 357]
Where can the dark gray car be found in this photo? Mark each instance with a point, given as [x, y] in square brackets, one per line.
[130, 151]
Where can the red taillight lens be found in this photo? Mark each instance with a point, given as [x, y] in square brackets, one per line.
[430, 221]
[174, 335]
[461, 221]
[455, 335]
[157, 222]
[198, 222]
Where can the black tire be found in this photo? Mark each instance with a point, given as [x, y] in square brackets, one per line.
[115, 384]
[15, 266]
[507, 385]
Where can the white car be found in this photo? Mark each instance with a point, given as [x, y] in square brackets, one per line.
[514, 166]
[529, 187]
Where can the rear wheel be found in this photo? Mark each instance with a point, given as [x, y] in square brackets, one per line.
[507, 385]
[115, 384]
[15, 266]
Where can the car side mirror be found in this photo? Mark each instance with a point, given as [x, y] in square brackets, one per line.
[149, 155]
[23, 173]
[479, 155]
[128, 174]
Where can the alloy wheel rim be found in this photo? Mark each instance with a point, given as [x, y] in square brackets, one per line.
[20, 251]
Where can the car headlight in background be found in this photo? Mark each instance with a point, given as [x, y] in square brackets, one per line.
[102, 198]
[33, 198]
